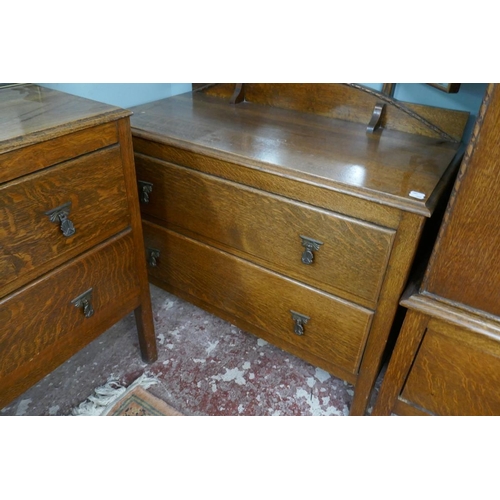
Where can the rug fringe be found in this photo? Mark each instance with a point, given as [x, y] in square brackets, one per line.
[106, 395]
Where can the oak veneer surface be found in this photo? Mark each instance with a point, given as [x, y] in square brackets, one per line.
[455, 372]
[35, 318]
[31, 241]
[385, 166]
[336, 330]
[30, 113]
[349, 263]
[44, 154]
[466, 266]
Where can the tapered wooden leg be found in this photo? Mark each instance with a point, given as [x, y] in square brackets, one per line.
[402, 358]
[145, 329]
[143, 313]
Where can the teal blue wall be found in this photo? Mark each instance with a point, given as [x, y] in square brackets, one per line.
[468, 98]
[124, 95]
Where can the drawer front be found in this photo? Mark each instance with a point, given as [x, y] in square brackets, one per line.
[349, 260]
[44, 154]
[336, 330]
[45, 313]
[456, 372]
[32, 241]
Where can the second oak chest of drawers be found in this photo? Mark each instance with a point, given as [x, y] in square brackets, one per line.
[72, 260]
[273, 211]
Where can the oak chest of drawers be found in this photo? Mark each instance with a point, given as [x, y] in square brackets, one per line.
[275, 212]
[72, 261]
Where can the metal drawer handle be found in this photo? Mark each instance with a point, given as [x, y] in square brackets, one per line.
[145, 188]
[84, 301]
[152, 255]
[299, 321]
[60, 215]
[310, 245]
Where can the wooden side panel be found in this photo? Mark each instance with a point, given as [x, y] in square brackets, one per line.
[350, 262]
[336, 330]
[455, 372]
[31, 242]
[465, 267]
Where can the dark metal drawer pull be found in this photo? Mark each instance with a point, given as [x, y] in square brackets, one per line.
[310, 245]
[84, 301]
[145, 188]
[300, 320]
[60, 215]
[152, 255]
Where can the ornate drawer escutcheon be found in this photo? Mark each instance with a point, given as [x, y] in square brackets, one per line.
[84, 301]
[310, 245]
[145, 188]
[60, 215]
[152, 256]
[300, 320]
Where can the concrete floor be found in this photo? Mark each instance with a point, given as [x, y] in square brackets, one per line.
[206, 366]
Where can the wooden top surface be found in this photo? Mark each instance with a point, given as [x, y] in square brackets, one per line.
[30, 113]
[384, 167]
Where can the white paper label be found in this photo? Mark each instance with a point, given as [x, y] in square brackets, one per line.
[416, 194]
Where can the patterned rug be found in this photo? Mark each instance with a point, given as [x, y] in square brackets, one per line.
[112, 399]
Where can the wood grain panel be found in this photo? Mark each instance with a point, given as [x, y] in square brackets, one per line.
[31, 243]
[466, 264]
[336, 330]
[454, 375]
[44, 154]
[308, 192]
[39, 316]
[266, 229]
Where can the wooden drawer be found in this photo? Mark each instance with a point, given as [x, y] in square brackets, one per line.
[41, 324]
[44, 154]
[456, 372]
[336, 331]
[267, 229]
[31, 243]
